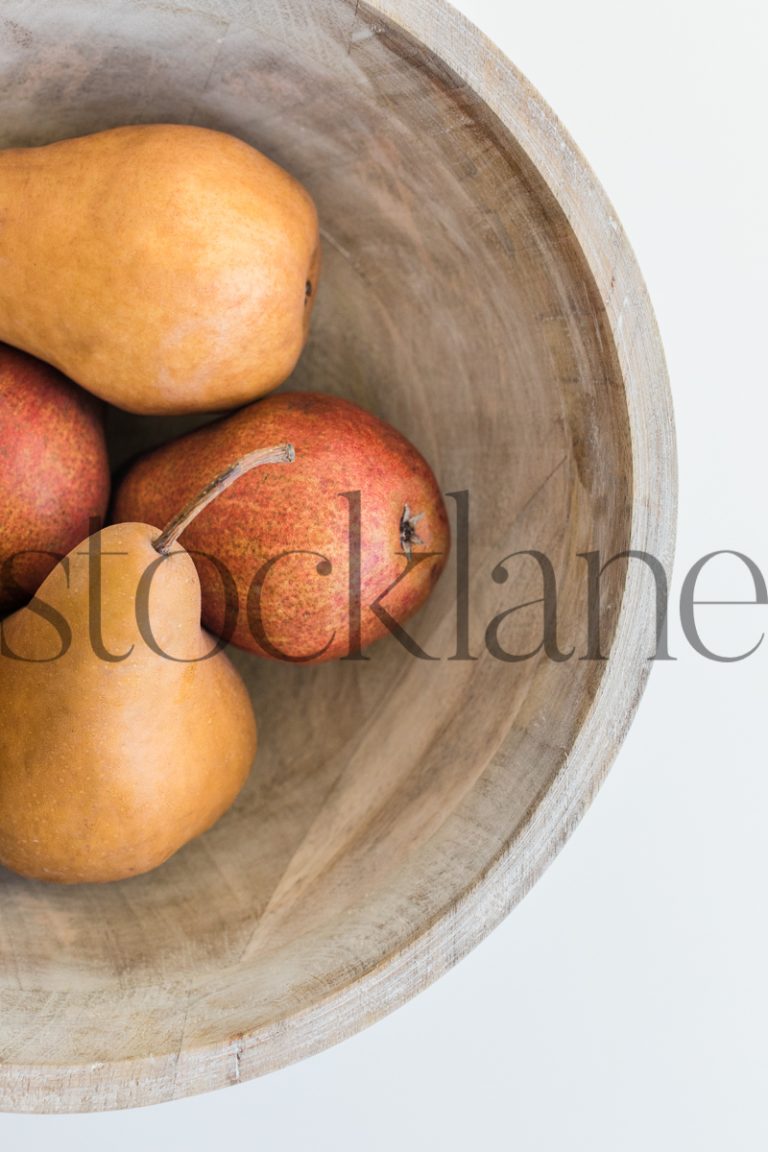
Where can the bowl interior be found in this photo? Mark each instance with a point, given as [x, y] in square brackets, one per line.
[456, 303]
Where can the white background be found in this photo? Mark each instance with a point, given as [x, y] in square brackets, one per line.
[622, 1006]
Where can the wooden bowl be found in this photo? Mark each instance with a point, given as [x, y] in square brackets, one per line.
[479, 293]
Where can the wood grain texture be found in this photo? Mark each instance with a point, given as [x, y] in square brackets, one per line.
[479, 293]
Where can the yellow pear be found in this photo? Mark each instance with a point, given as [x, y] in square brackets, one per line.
[125, 731]
[164, 267]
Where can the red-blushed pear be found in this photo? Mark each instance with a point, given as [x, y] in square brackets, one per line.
[54, 475]
[126, 730]
[301, 557]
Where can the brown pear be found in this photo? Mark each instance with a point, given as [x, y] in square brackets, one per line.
[126, 732]
[164, 267]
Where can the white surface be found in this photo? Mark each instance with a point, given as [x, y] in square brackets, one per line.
[622, 1006]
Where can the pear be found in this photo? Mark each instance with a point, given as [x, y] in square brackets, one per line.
[126, 731]
[165, 267]
[310, 551]
[54, 478]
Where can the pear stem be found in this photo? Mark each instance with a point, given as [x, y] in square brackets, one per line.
[279, 454]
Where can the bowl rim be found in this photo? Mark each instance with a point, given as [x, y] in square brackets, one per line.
[433, 950]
